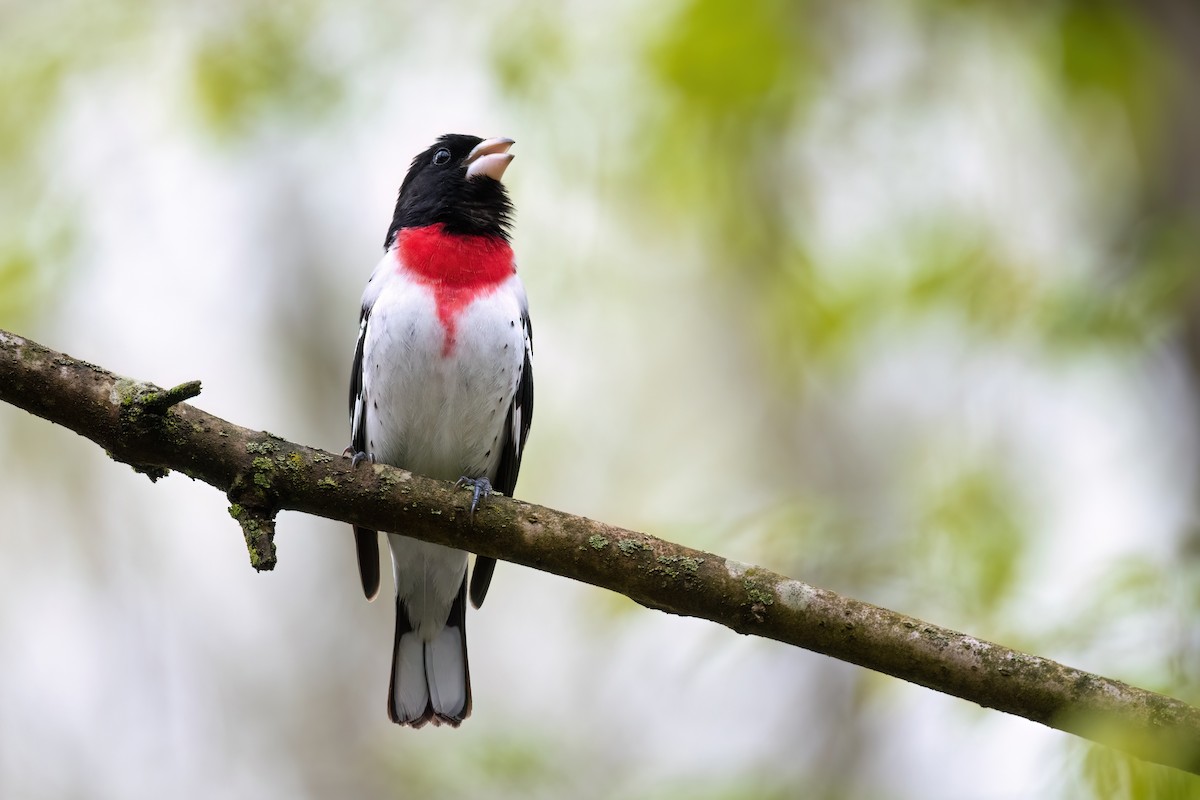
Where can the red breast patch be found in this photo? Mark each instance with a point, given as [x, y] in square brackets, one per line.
[459, 269]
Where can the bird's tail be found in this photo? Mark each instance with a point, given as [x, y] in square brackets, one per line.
[430, 678]
[366, 543]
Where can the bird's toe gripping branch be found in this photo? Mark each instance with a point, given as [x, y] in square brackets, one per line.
[357, 457]
[482, 489]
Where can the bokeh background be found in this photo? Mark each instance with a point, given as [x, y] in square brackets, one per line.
[900, 297]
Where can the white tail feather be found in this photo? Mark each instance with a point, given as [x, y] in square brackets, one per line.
[412, 690]
[430, 674]
[445, 670]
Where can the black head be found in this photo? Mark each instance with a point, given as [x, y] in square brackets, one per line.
[456, 182]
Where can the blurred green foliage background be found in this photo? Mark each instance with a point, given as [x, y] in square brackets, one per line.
[901, 298]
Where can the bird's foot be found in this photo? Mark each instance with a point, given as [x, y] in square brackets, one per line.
[357, 457]
[482, 487]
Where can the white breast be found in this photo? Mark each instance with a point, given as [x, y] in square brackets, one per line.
[436, 412]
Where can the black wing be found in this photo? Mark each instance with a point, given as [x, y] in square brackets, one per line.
[516, 428]
[366, 541]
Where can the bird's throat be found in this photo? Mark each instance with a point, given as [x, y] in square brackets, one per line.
[458, 269]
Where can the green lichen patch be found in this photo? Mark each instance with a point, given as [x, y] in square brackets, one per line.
[259, 533]
[390, 479]
[133, 397]
[630, 547]
[322, 458]
[666, 566]
[757, 593]
[175, 429]
[327, 483]
[125, 391]
[597, 542]
[291, 462]
[264, 471]
[675, 566]
[261, 448]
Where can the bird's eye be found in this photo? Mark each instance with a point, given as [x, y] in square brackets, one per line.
[441, 157]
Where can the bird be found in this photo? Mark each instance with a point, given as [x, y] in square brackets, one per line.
[442, 385]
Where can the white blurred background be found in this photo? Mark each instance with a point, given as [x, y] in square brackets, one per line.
[902, 300]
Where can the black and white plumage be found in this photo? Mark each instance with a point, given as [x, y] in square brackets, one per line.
[442, 385]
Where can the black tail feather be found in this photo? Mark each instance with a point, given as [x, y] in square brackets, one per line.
[366, 543]
[481, 578]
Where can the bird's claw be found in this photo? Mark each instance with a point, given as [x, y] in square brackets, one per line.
[482, 488]
[357, 457]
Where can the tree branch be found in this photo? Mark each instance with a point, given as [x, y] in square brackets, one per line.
[153, 430]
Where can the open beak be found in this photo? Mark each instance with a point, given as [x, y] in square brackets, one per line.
[490, 157]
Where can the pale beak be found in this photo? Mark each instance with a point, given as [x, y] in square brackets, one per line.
[490, 157]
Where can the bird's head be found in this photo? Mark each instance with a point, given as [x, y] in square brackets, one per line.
[456, 183]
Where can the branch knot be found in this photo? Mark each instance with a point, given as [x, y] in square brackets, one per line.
[144, 410]
[258, 527]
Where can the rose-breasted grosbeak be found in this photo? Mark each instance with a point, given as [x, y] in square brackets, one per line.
[442, 385]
